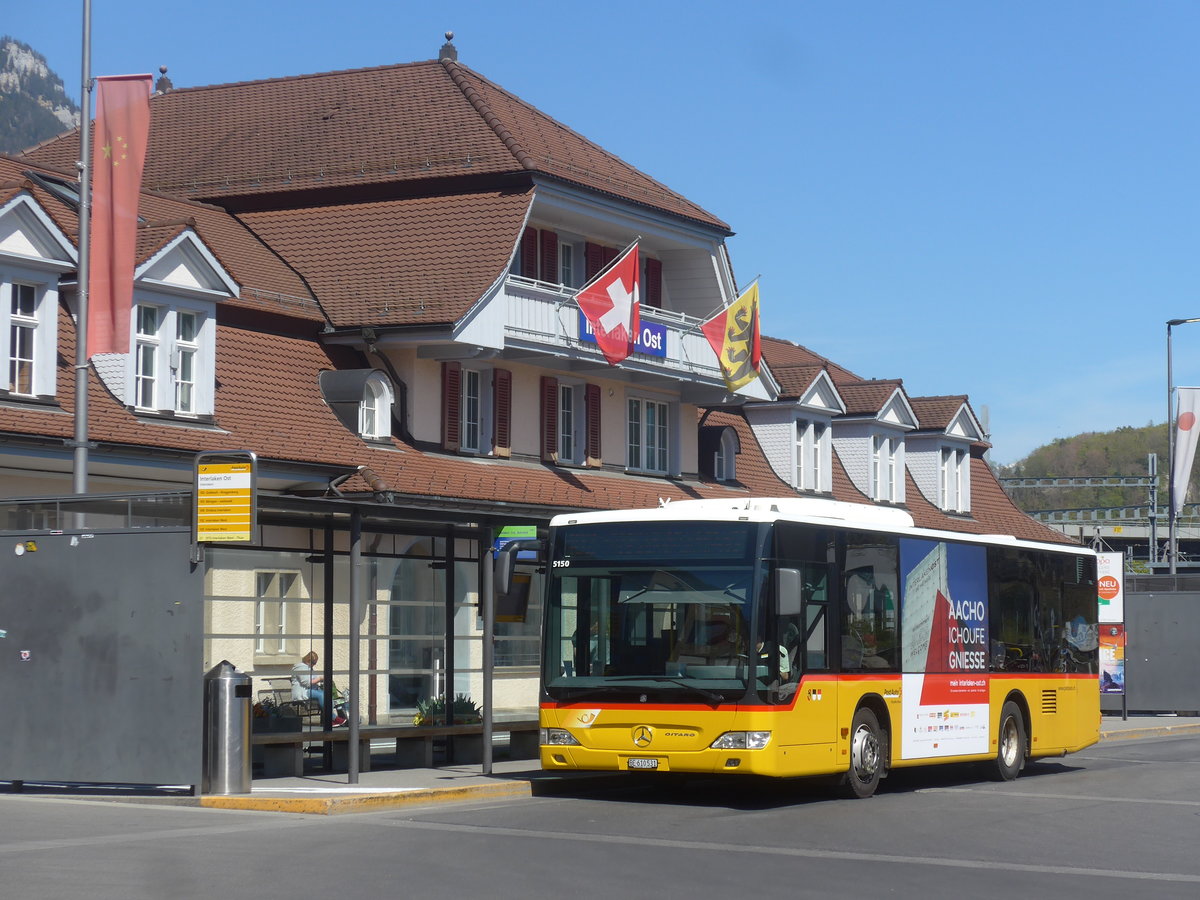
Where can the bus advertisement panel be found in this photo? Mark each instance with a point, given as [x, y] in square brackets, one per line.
[944, 616]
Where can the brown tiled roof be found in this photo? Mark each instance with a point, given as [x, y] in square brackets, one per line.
[782, 354]
[868, 397]
[794, 381]
[420, 260]
[266, 282]
[936, 413]
[399, 124]
[542, 144]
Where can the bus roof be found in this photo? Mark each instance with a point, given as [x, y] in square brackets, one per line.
[817, 510]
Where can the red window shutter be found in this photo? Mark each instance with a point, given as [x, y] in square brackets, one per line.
[529, 253]
[593, 255]
[451, 405]
[549, 419]
[608, 255]
[550, 256]
[652, 291]
[592, 411]
[502, 411]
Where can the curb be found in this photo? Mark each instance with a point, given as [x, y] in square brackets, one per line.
[368, 802]
[1129, 734]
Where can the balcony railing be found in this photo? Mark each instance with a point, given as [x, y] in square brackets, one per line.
[546, 315]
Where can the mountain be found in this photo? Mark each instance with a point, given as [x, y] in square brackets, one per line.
[1119, 452]
[33, 104]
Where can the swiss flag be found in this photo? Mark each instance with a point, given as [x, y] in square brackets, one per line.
[610, 303]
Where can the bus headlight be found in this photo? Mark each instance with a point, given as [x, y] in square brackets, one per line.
[559, 736]
[742, 740]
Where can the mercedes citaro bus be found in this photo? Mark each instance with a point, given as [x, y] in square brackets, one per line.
[807, 637]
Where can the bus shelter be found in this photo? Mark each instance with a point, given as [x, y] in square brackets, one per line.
[114, 616]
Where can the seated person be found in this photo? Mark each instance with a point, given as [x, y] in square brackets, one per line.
[307, 685]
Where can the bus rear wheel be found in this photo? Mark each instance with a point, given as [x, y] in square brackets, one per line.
[1010, 750]
[868, 748]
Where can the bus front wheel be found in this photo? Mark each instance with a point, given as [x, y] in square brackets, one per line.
[868, 746]
[1010, 752]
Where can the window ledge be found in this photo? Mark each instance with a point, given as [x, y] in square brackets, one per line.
[380, 443]
[24, 401]
[200, 423]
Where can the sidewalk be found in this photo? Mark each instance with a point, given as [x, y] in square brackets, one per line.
[330, 794]
[390, 788]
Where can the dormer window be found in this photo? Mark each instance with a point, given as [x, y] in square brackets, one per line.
[27, 337]
[362, 399]
[375, 411]
[173, 360]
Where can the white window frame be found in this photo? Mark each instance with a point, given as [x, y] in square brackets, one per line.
[571, 427]
[472, 400]
[571, 275]
[375, 410]
[650, 428]
[41, 329]
[183, 362]
[22, 352]
[885, 451]
[952, 463]
[812, 455]
[147, 353]
[568, 264]
[724, 458]
[478, 420]
[157, 374]
[272, 591]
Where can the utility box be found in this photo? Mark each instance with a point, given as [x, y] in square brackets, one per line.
[226, 731]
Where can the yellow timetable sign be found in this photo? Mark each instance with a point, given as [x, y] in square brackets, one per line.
[224, 501]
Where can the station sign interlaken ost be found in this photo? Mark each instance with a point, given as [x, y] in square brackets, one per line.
[225, 501]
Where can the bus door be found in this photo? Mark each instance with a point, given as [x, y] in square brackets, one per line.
[804, 623]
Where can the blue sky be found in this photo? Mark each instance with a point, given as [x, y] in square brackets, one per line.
[991, 198]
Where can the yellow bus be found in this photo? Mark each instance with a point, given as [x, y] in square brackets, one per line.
[809, 637]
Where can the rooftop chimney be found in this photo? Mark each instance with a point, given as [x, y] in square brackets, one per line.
[448, 51]
[164, 83]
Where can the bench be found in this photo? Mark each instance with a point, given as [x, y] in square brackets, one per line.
[283, 752]
[279, 693]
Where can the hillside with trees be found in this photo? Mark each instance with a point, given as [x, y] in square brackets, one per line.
[1120, 452]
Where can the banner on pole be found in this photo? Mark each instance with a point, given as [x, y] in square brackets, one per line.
[1187, 405]
[122, 129]
[1110, 586]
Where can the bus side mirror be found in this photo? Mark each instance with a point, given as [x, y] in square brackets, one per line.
[788, 591]
[506, 564]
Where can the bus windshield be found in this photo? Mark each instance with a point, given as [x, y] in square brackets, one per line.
[661, 609]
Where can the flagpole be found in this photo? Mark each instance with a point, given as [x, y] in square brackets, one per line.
[603, 270]
[736, 294]
[79, 478]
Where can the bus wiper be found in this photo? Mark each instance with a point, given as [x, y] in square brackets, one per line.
[711, 696]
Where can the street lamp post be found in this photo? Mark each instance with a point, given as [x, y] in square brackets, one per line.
[1172, 512]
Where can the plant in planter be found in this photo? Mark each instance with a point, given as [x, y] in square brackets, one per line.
[432, 711]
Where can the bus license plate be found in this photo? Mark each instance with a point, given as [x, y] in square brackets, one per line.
[637, 762]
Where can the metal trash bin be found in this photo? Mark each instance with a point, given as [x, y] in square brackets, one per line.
[227, 710]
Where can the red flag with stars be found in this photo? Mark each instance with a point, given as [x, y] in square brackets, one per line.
[118, 153]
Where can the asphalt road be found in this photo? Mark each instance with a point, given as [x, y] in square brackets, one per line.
[1120, 819]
